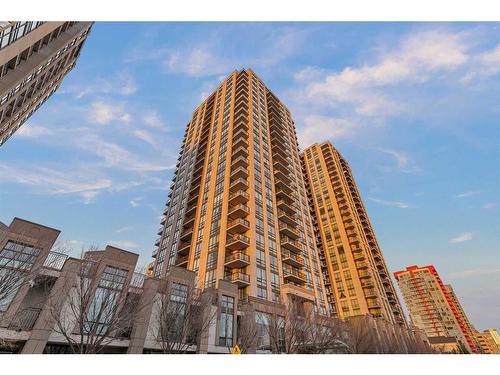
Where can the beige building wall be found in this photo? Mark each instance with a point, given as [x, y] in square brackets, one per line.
[34, 59]
[355, 272]
[238, 208]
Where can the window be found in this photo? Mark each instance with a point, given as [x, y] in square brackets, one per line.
[103, 306]
[226, 321]
[16, 259]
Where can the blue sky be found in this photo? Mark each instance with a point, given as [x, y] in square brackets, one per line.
[414, 107]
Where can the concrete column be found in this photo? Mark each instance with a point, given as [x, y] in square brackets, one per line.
[45, 323]
[142, 320]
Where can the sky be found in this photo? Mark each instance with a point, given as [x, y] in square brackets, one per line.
[413, 107]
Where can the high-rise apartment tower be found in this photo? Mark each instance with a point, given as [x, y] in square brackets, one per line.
[238, 208]
[34, 59]
[433, 306]
[355, 274]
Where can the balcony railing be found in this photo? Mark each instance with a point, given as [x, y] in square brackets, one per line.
[239, 196]
[55, 260]
[289, 230]
[285, 217]
[238, 184]
[294, 274]
[238, 211]
[25, 319]
[292, 245]
[238, 225]
[237, 242]
[137, 280]
[292, 259]
[239, 172]
[240, 278]
[237, 260]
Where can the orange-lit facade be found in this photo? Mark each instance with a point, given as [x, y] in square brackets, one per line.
[355, 274]
[238, 208]
[434, 307]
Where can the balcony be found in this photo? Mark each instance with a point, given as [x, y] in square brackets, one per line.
[240, 133]
[137, 280]
[184, 249]
[237, 260]
[238, 197]
[239, 172]
[281, 185]
[238, 226]
[186, 235]
[289, 244]
[282, 194]
[191, 210]
[356, 249]
[367, 284]
[279, 157]
[364, 274]
[55, 260]
[292, 259]
[289, 231]
[373, 304]
[358, 256]
[240, 151]
[240, 141]
[370, 294]
[285, 206]
[182, 261]
[240, 162]
[239, 184]
[25, 319]
[293, 274]
[239, 278]
[238, 211]
[361, 265]
[286, 218]
[280, 166]
[281, 176]
[237, 242]
[188, 222]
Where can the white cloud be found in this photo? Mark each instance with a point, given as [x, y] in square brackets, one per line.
[123, 229]
[320, 128]
[390, 203]
[417, 57]
[145, 136]
[196, 61]
[467, 194]
[462, 237]
[489, 205]
[136, 202]
[121, 84]
[88, 196]
[124, 244]
[103, 113]
[32, 131]
[404, 163]
[153, 120]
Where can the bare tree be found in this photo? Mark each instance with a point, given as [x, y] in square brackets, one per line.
[183, 316]
[247, 331]
[288, 333]
[326, 335]
[97, 309]
[361, 338]
[20, 265]
[17, 263]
